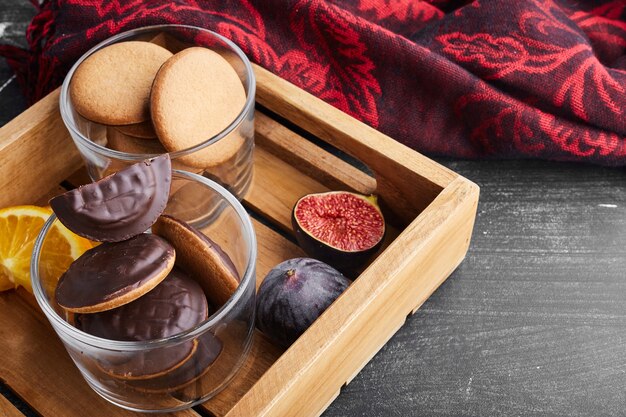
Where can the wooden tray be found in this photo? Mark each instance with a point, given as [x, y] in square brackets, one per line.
[430, 212]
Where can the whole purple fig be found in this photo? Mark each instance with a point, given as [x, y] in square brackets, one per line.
[293, 294]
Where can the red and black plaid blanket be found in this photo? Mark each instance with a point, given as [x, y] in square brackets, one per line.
[482, 78]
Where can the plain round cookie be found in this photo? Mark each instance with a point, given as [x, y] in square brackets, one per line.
[118, 141]
[196, 94]
[112, 86]
[143, 130]
[122, 142]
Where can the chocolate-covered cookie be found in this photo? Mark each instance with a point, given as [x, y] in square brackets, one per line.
[113, 274]
[208, 349]
[119, 206]
[201, 257]
[175, 305]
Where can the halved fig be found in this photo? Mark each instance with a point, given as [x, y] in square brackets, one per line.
[340, 228]
[119, 206]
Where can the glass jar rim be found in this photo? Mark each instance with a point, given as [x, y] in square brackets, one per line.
[194, 332]
[68, 120]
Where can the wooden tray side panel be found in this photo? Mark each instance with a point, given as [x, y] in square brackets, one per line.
[7, 409]
[40, 370]
[36, 153]
[310, 159]
[355, 327]
[273, 249]
[405, 177]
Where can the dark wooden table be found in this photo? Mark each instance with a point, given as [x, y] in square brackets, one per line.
[532, 323]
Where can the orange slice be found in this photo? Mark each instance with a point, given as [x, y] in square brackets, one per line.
[19, 227]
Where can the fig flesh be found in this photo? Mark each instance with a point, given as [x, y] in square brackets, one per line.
[340, 228]
[119, 206]
[293, 295]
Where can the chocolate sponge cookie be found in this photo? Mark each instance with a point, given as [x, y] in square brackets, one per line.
[114, 274]
[175, 305]
[119, 206]
[202, 257]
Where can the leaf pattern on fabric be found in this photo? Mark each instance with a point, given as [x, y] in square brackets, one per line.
[505, 128]
[592, 144]
[482, 78]
[253, 46]
[401, 10]
[548, 54]
[326, 34]
[510, 128]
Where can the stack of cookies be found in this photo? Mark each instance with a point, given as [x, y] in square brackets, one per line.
[136, 286]
[153, 101]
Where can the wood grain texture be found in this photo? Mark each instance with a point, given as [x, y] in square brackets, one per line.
[396, 167]
[531, 324]
[295, 150]
[391, 278]
[277, 185]
[272, 247]
[39, 368]
[362, 319]
[262, 355]
[7, 409]
[29, 145]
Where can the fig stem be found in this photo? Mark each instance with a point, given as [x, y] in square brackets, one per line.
[373, 199]
[290, 273]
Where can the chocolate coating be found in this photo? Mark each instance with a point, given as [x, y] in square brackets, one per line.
[223, 256]
[112, 270]
[201, 257]
[209, 348]
[175, 305]
[144, 364]
[119, 206]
